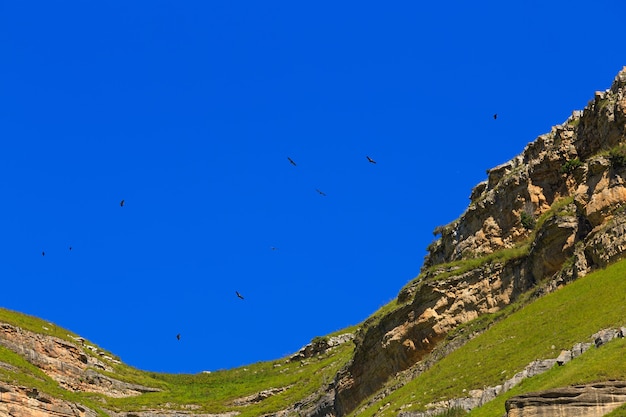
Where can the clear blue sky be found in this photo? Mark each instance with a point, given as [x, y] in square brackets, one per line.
[189, 110]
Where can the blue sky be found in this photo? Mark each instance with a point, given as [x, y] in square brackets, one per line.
[189, 110]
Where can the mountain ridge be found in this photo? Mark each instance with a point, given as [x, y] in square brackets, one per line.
[548, 217]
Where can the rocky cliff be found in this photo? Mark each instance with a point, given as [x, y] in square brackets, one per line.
[552, 214]
[556, 210]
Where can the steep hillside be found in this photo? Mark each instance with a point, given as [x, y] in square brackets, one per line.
[553, 213]
[522, 294]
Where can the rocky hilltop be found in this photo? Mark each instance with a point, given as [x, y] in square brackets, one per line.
[553, 214]
[557, 210]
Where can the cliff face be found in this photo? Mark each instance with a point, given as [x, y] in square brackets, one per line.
[532, 181]
[548, 216]
[434, 307]
[573, 177]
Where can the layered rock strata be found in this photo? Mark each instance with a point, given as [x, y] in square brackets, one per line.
[592, 400]
[559, 204]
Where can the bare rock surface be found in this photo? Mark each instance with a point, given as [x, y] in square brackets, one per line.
[592, 400]
[67, 362]
[588, 232]
[18, 401]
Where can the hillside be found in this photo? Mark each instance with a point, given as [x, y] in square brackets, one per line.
[519, 308]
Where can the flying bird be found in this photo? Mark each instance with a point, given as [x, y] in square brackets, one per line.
[495, 116]
[70, 248]
[273, 247]
[321, 192]
[43, 253]
[178, 336]
[122, 203]
[239, 295]
[291, 161]
[370, 159]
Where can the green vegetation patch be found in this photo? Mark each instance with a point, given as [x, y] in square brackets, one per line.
[617, 156]
[218, 392]
[618, 412]
[462, 266]
[569, 166]
[207, 392]
[35, 324]
[595, 365]
[539, 330]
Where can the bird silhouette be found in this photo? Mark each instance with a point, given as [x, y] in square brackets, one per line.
[495, 116]
[70, 248]
[122, 203]
[273, 247]
[239, 295]
[291, 161]
[321, 193]
[43, 253]
[178, 336]
[370, 159]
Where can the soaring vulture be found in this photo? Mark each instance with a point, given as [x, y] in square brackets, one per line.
[291, 161]
[370, 159]
[122, 203]
[239, 295]
[321, 192]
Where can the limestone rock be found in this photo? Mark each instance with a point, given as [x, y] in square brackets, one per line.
[66, 362]
[409, 333]
[321, 345]
[19, 401]
[532, 181]
[593, 400]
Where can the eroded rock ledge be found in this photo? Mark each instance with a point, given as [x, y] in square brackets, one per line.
[18, 401]
[592, 400]
[67, 363]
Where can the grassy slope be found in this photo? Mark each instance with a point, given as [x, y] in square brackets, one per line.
[538, 331]
[214, 392]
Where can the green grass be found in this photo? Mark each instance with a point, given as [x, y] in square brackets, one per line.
[618, 412]
[462, 266]
[214, 392]
[539, 330]
[37, 325]
[603, 364]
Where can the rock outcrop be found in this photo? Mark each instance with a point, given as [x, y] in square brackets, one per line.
[592, 400]
[320, 345]
[405, 336]
[19, 401]
[558, 205]
[74, 366]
